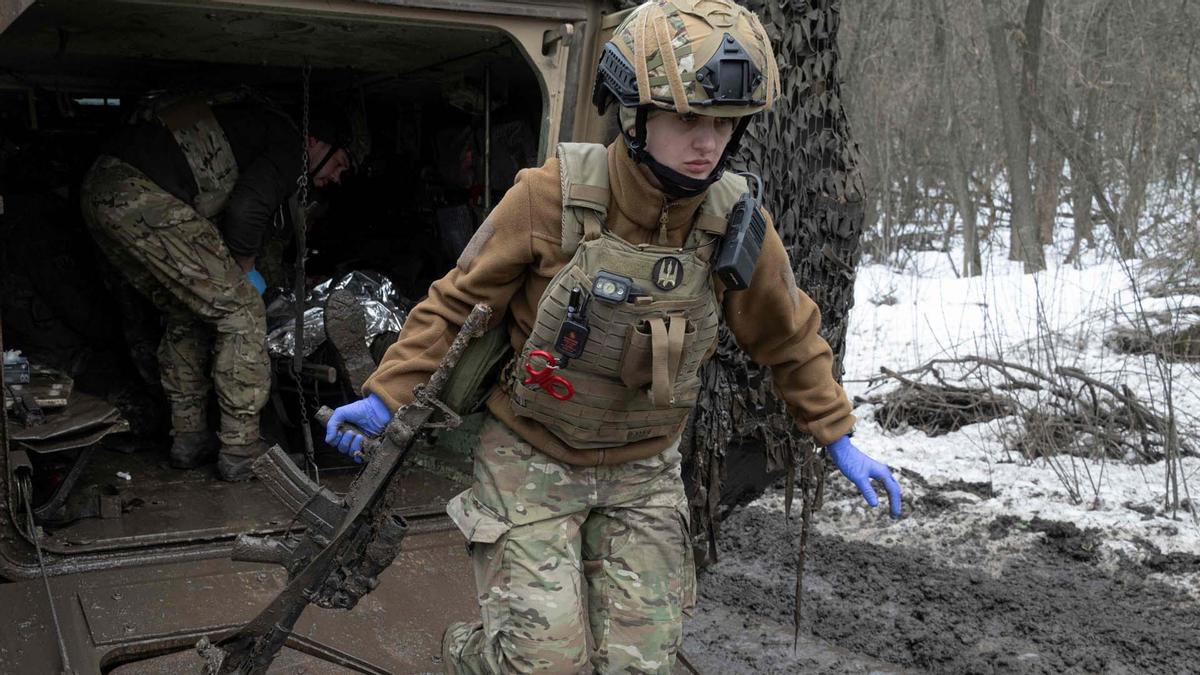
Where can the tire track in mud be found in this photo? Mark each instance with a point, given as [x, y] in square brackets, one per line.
[898, 608]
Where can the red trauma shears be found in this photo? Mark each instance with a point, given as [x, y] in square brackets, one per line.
[555, 385]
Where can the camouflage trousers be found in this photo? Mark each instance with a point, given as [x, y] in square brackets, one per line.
[215, 320]
[578, 569]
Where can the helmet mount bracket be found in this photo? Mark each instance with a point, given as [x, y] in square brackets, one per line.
[730, 76]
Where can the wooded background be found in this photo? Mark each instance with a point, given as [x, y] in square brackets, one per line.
[1085, 111]
[917, 125]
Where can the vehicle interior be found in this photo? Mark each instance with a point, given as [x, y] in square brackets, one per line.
[454, 111]
[113, 559]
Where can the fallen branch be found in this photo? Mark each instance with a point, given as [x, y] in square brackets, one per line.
[1072, 412]
[939, 408]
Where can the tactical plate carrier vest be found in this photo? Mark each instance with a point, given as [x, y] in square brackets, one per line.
[638, 375]
[206, 149]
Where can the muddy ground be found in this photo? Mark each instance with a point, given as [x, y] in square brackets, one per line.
[943, 592]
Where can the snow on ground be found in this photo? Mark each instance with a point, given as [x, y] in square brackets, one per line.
[904, 318]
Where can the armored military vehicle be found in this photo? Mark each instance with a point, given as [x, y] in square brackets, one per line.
[113, 561]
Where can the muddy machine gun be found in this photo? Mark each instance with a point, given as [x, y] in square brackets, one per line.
[348, 541]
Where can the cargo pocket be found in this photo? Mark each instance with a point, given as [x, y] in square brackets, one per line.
[487, 533]
[478, 523]
[166, 212]
[635, 357]
[687, 571]
[654, 350]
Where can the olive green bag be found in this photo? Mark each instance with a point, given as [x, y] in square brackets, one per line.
[476, 371]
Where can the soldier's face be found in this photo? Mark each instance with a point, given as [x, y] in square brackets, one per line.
[332, 170]
[689, 144]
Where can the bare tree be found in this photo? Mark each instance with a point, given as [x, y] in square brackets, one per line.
[956, 169]
[1014, 118]
[1109, 91]
[1085, 132]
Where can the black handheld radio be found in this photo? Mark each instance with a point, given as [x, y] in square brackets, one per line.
[743, 239]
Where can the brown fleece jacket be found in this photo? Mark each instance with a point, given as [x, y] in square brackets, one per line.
[516, 251]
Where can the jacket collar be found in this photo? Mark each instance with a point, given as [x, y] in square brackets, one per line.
[635, 201]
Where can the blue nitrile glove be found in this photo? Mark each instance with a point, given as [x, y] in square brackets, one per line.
[256, 279]
[370, 414]
[860, 469]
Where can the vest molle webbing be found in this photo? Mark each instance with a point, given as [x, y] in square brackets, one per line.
[637, 377]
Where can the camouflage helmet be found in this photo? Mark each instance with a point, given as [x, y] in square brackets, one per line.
[342, 128]
[707, 57]
[359, 144]
[704, 57]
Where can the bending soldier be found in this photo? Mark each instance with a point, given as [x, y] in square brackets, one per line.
[603, 259]
[152, 201]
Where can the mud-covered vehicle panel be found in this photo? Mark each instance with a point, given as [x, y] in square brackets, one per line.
[136, 553]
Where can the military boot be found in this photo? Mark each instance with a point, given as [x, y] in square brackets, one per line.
[191, 449]
[233, 464]
[346, 328]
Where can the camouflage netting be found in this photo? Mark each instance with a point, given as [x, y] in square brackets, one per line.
[803, 151]
[809, 164]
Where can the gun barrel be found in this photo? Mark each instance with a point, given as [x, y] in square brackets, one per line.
[383, 550]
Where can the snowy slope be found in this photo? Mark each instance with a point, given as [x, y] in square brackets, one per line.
[1014, 316]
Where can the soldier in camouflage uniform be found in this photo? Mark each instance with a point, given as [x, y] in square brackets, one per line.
[180, 202]
[601, 266]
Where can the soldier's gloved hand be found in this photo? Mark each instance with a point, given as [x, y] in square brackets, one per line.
[256, 279]
[370, 414]
[860, 469]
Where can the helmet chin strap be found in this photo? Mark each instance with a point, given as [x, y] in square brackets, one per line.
[324, 160]
[676, 184]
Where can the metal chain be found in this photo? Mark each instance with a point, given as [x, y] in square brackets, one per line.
[302, 180]
[301, 246]
[25, 489]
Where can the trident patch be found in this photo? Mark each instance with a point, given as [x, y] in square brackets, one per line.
[667, 273]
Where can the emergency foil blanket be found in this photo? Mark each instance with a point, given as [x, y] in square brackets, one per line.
[384, 309]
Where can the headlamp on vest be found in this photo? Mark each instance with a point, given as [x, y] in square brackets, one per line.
[613, 288]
